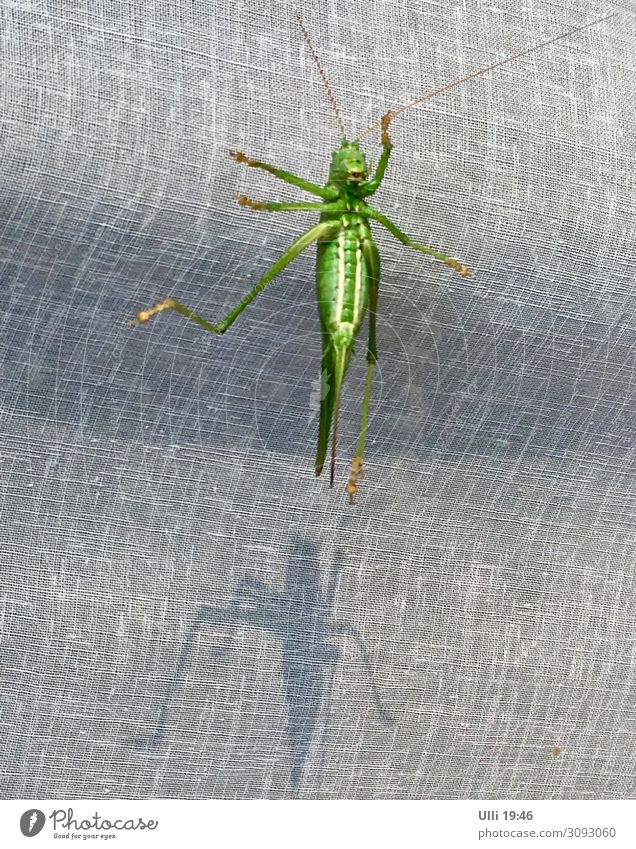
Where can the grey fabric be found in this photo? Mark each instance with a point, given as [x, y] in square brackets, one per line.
[187, 611]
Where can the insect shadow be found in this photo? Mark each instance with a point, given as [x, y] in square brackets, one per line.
[301, 617]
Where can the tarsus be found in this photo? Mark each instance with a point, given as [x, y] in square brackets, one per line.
[323, 76]
[481, 71]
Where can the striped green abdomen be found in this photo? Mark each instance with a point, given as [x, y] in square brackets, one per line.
[342, 282]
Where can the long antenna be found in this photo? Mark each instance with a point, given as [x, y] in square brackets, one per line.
[323, 77]
[481, 71]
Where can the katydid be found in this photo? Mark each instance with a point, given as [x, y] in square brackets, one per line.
[348, 260]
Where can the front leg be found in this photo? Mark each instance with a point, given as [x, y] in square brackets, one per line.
[314, 188]
[369, 212]
[373, 185]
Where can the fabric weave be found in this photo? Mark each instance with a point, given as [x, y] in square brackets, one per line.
[186, 611]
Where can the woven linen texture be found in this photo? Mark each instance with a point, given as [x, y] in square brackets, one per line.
[186, 611]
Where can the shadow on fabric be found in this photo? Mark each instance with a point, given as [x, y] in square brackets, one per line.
[301, 617]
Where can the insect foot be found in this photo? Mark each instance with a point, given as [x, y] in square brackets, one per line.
[352, 484]
[462, 270]
[240, 157]
[243, 200]
[384, 123]
[145, 315]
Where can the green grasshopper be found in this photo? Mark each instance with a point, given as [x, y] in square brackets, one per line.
[348, 260]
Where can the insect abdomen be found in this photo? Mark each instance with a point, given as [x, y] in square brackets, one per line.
[342, 282]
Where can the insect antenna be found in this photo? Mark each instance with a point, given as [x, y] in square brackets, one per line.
[449, 86]
[323, 76]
